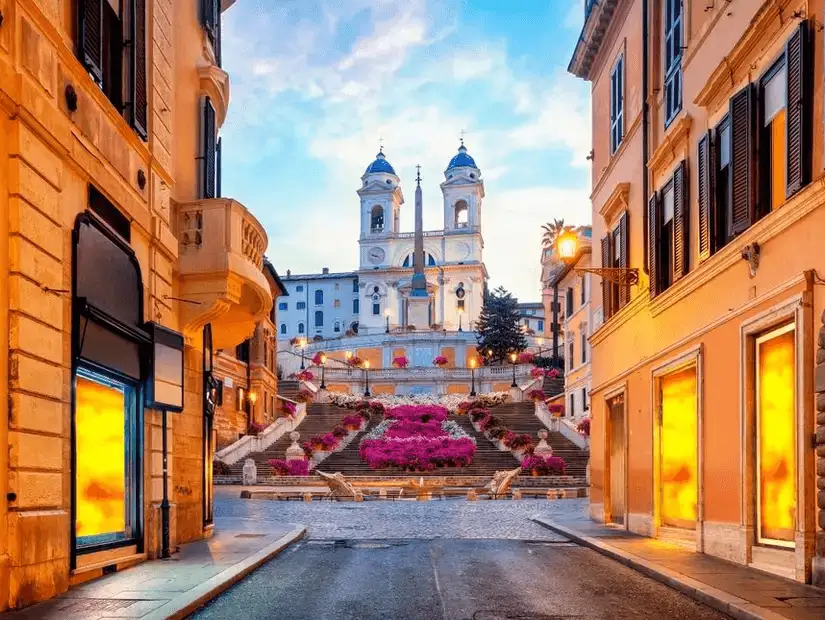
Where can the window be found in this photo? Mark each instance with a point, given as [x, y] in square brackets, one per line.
[319, 297]
[429, 260]
[355, 286]
[336, 303]
[376, 309]
[614, 245]
[299, 288]
[283, 305]
[356, 306]
[211, 21]
[337, 327]
[673, 59]
[462, 214]
[585, 406]
[377, 219]
[541, 325]
[283, 328]
[584, 347]
[572, 404]
[772, 137]
[219, 394]
[102, 37]
[568, 302]
[669, 223]
[617, 105]
[208, 150]
[301, 305]
[319, 318]
[300, 328]
[459, 304]
[583, 297]
[570, 356]
[242, 352]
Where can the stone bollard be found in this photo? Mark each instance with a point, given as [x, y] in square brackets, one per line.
[516, 493]
[552, 494]
[307, 497]
[543, 449]
[359, 496]
[250, 472]
[295, 452]
[471, 495]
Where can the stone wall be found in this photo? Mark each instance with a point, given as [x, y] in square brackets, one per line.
[818, 569]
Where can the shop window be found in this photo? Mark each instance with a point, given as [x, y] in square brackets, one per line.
[110, 214]
[678, 446]
[669, 222]
[775, 437]
[617, 104]
[673, 58]
[102, 36]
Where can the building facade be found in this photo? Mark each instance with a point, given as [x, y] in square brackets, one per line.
[115, 234]
[322, 304]
[707, 187]
[531, 317]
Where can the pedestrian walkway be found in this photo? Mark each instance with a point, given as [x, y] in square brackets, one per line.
[176, 587]
[738, 591]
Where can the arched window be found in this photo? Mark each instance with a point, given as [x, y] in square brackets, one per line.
[429, 260]
[319, 297]
[462, 214]
[319, 318]
[300, 328]
[377, 218]
[283, 328]
[337, 327]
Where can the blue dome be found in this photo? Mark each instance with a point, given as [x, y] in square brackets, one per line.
[380, 165]
[462, 159]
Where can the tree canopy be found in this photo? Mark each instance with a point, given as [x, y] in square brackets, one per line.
[498, 329]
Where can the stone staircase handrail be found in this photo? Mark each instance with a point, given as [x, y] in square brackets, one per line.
[250, 444]
[561, 425]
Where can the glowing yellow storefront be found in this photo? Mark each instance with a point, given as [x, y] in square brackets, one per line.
[678, 449]
[776, 467]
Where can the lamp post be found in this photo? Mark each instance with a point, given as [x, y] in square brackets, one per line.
[387, 314]
[323, 371]
[513, 360]
[367, 379]
[253, 398]
[302, 343]
[472, 376]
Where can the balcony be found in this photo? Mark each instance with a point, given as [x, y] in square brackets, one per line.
[221, 260]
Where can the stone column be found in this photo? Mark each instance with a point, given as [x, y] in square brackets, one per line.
[818, 568]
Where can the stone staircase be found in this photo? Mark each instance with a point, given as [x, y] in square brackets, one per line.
[553, 387]
[487, 460]
[320, 419]
[288, 389]
[521, 418]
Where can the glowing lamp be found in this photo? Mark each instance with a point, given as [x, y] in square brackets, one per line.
[513, 357]
[472, 362]
[567, 245]
[323, 358]
[253, 397]
[366, 364]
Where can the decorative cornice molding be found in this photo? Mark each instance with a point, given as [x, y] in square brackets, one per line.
[590, 41]
[616, 202]
[214, 82]
[674, 141]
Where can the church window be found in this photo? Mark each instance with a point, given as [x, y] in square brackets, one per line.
[319, 297]
[429, 260]
[377, 219]
[376, 308]
[462, 214]
[319, 318]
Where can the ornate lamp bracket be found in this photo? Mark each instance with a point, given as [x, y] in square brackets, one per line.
[620, 275]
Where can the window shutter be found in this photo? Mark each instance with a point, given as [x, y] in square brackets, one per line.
[90, 36]
[606, 309]
[798, 110]
[741, 124]
[653, 230]
[218, 170]
[624, 289]
[706, 196]
[681, 222]
[217, 30]
[208, 16]
[138, 98]
[209, 149]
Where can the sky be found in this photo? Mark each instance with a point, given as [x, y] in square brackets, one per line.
[317, 85]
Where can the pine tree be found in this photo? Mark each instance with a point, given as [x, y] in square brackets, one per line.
[498, 328]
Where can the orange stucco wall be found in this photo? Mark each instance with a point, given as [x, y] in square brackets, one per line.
[371, 355]
[458, 388]
[449, 353]
[383, 388]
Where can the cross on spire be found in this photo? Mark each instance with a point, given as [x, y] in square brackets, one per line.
[462, 137]
[381, 145]
[418, 174]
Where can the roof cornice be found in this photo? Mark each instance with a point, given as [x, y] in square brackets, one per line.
[591, 38]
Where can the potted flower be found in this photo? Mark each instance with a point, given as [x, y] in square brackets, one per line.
[553, 373]
[583, 427]
[536, 395]
[255, 428]
[526, 358]
[318, 358]
[556, 409]
[353, 422]
[441, 361]
[288, 408]
[354, 361]
[304, 375]
[304, 396]
[401, 362]
[537, 373]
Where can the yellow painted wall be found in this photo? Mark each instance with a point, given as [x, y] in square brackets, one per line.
[449, 353]
[458, 388]
[501, 387]
[382, 388]
[373, 355]
[342, 388]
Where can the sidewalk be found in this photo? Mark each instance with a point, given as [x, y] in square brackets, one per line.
[176, 587]
[738, 591]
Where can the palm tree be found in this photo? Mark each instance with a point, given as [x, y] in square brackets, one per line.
[552, 232]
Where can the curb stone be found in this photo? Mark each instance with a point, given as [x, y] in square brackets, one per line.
[192, 600]
[715, 598]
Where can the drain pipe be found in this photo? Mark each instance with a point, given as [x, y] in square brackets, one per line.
[645, 115]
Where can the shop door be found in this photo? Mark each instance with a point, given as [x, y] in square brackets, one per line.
[617, 455]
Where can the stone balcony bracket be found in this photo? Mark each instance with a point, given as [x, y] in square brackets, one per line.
[221, 260]
[214, 82]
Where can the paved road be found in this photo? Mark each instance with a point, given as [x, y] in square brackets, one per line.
[450, 560]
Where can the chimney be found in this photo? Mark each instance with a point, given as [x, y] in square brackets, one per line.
[325, 271]
[288, 273]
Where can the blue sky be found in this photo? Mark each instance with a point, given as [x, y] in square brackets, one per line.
[317, 83]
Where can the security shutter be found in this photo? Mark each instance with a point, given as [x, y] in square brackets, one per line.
[798, 110]
[653, 231]
[705, 196]
[681, 222]
[742, 160]
[624, 288]
[138, 99]
[90, 36]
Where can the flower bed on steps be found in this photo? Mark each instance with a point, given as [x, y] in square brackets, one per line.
[417, 438]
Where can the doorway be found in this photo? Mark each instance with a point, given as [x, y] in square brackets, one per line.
[617, 458]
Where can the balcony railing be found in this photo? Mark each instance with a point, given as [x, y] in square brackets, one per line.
[492, 373]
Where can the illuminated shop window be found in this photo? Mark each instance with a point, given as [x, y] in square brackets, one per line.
[678, 449]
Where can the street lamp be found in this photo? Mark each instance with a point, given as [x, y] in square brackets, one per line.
[513, 360]
[473, 376]
[302, 343]
[460, 316]
[568, 251]
[367, 379]
[387, 314]
[323, 371]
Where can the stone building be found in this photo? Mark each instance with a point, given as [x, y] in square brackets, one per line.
[116, 241]
[707, 203]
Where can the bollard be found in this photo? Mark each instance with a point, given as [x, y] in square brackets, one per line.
[516, 493]
[307, 497]
[471, 495]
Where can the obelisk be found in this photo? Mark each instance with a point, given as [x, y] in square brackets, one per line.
[418, 304]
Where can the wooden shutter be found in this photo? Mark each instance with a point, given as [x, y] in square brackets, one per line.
[218, 170]
[606, 263]
[706, 197]
[681, 222]
[742, 160]
[138, 98]
[209, 14]
[798, 110]
[624, 289]
[209, 149]
[653, 231]
[90, 36]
